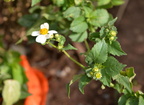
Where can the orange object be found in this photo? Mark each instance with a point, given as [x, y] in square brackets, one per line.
[37, 84]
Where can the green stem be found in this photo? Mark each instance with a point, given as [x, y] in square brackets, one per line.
[73, 59]
[67, 55]
[87, 45]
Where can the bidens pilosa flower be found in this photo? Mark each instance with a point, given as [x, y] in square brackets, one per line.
[44, 33]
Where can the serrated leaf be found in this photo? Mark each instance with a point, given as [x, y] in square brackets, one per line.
[72, 12]
[106, 79]
[84, 80]
[123, 81]
[35, 2]
[103, 2]
[69, 47]
[79, 37]
[111, 23]
[112, 66]
[11, 92]
[115, 49]
[141, 100]
[132, 101]
[98, 54]
[122, 100]
[99, 17]
[75, 78]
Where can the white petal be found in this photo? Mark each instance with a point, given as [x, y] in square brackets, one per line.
[41, 39]
[35, 33]
[42, 26]
[47, 36]
[52, 32]
[45, 25]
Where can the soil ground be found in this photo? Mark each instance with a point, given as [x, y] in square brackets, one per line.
[59, 69]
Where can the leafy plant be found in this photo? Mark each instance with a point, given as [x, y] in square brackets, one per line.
[12, 77]
[84, 21]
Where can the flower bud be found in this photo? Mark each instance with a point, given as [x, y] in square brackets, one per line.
[98, 75]
[95, 69]
[113, 33]
[112, 38]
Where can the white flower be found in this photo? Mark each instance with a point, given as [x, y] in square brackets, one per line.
[44, 33]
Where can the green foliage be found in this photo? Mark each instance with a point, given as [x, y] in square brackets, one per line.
[75, 78]
[115, 49]
[98, 54]
[69, 47]
[12, 77]
[72, 12]
[81, 20]
[84, 80]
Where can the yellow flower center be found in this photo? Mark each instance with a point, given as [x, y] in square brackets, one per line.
[43, 31]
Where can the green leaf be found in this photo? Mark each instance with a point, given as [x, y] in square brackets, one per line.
[78, 25]
[11, 92]
[28, 20]
[79, 37]
[141, 100]
[75, 78]
[112, 66]
[35, 2]
[69, 47]
[111, 23]
[122, 100]
[72, 12]
[106, 79]
[115, 49]
[130, 73]
[117, 2]
[18, 73]
[84, 80]
[87, 11]
[99, 17]
[98, 54]
[132, 101]
[59, 2]
[24, 94]
[123, 81]
[103, 2]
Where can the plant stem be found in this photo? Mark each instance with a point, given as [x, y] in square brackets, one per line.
[87, 45]
[73, 59]
[67, 55]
